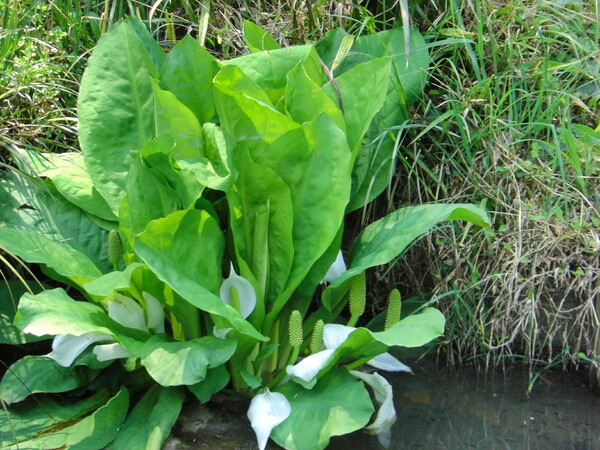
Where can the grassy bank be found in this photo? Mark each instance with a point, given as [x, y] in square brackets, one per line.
[510, 121]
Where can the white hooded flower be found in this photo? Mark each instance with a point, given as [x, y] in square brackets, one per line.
[123, 310]
[267, 410]
[337, 268]
[384, 397]
[66, 347]
[309, 367]
[244, 290]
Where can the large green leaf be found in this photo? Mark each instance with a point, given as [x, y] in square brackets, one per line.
[244, 108]
[54, 312]
[215, 380]
[375, 161]
[305, 100]
[10, 293]
[262, 224]
[213, 168]
[39, 209]
[63, 259]
[173, 363]
[388, 237]
[315, 166]
[148, 425]
[413, 331]
[24, 420]
[412, 74]
[32, 374]
[116, 106]
[90, 433]
[363, 90]
[185, 250]
[257, 39]
[149, 197]
[158, 155]
[111, 282]
[337, 405]
[268, 69]
[69, 175]
[173, 117]
[188, 72]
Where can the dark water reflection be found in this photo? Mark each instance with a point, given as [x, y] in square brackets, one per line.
[461, 409]
[438, 409]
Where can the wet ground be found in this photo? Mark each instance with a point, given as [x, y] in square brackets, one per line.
[440, 409]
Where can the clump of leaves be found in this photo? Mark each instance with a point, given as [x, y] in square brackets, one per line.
[204, 167]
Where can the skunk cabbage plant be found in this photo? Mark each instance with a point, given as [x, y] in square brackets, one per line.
[190, 236]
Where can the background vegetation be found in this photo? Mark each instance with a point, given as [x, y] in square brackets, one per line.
[510, 121]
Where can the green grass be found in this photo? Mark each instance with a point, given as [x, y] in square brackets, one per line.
[511, 121]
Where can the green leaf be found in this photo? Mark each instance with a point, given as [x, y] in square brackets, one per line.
[33, 374]
[90, 433]
[262, 225]
[376, 160]
[149, 423]
[116, 105]
[111, 282]
[257, 39]
[214, 168]
[173, 117]
[188, 73]
[158, 154]
[245, 110]
[388, 237]
[195, 275]
[337, 405]
[149, 197]
[61, 314]
[415, 330]
[363, 90]
[305, 100]
[27, 419]
[10, 293]
[63, 259]
[215, 380]
[412, 75]
[69, 175]
[174, 363]
[315, 167]
[268, 69]
[39, 209]
[411, 332]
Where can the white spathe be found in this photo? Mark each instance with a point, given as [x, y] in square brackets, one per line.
[267, 410]
[335, 335]
[245, 292]
[155, 313]
[387, 362]
[123, 310]
[127, 312]
[337, 268]
[108, 352]
[386, 415]
[66, 347]
[309, 367]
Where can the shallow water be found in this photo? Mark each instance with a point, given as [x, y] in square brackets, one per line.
[461, 409]
[440, 409]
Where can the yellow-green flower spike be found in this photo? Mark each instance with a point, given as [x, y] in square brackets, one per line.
[358, 295]
[115, 249]
[317, 337]
[394, 308]
[295, 329]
